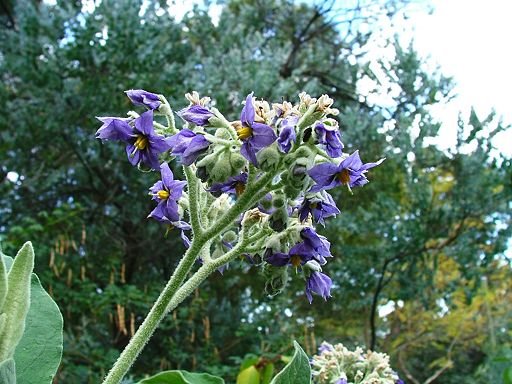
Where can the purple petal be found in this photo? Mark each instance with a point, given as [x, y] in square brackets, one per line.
[134, 156]
[167, 175]
[197, 145]
[262, 135]
[249, 152]
[277, 259]
[248, 113]
[144, 123]
[114, 128]
[320, 284]
[141, 97]
[196, 114]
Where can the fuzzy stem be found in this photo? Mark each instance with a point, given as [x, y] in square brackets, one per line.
[147, 328]
[193, 201]
[174, 292]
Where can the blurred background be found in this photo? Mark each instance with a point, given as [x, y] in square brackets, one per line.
[422, 267]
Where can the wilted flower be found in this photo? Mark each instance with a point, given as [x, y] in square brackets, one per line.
[144, 98]
[350, 172]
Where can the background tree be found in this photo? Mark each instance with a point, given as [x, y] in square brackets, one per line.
[85, 208]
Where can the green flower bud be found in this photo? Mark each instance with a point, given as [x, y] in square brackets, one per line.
[268, 158]
[221, 169]
[229, 237]
[279, 219]
[276, 279]
[237, 162]
[279, 200]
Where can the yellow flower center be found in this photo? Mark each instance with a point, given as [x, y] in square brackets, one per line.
[162, 194]
[141, 142]
[295, 260]
[344, 177]
[244, 132]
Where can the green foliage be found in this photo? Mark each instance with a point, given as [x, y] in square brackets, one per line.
[39, 351]
[298, 370]
[182, 377]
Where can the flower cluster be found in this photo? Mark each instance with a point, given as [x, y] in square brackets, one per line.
[335, 364]
[260, 181]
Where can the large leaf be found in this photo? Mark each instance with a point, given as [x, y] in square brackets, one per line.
[17, 300]
[182, 377]
[39, 351]
[297, 371]
[507, 375]
[7, 372]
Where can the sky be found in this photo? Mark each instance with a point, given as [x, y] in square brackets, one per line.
[470, 41]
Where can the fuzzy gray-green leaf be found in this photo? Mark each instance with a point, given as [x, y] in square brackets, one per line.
[7, 372]
[39, 351]
[3, 281]
[297, 371]
[17, 300]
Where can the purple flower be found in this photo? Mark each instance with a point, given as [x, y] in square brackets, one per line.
[350, 172]
[400, 381]
[235, 184]
[318, 244]
[329, 136]
[144, 145]
[287, 135]
[325, 347]
[188, 145]
[319, 208]
[166, 192]
[341, 381]
[298, 255]
[254, 136]
[196, 114]
[141, 97]
[318, 283]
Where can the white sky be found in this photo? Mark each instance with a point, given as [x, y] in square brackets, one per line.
[470, 40]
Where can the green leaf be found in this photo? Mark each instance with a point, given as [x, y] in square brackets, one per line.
[3, 282]
[7, 371]
[297, 371]
[249, 375]
[182, 377]
[17, 300]
[507, 375]
[39, 351]
[267, 373]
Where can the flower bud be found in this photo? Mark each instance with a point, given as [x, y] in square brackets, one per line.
[268, 158]
[279, 219]
[221, 169]
[237, 162]
[276, 278]
[229, 237]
